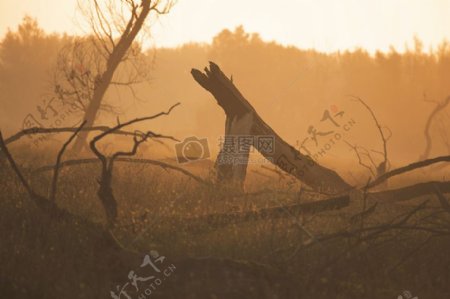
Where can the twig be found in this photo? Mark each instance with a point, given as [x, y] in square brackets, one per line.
[52, 195]
[119, 126]
[355, 149]
[381, 169]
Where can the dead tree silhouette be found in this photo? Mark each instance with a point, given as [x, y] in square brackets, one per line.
[88, 67]
[242, 119]
[105, 191]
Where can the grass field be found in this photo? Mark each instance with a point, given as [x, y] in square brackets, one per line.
[324, 255]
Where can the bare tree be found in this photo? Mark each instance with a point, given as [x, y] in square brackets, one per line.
[89, 66]
[105, 192]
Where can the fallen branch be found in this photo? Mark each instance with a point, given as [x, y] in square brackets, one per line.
[408, 168]
[215, 221]
[377, 229]
[410, 192]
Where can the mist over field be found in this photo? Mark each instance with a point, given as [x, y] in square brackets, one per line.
[240, 167]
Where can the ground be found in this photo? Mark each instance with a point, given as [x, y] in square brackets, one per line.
[330, 254]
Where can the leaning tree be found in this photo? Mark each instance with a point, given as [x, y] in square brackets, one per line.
[88, 66]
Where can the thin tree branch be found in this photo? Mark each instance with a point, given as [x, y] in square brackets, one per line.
[436, 110]
[381, 169]
[58, 161]
[36, 130]
[114, 129]
[355, 149]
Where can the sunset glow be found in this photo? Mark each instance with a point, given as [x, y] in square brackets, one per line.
[324, 25]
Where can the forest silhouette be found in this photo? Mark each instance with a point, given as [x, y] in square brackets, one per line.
[290, 87]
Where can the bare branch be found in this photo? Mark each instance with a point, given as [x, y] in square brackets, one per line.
[52, 195]
[32, 131]
[381, 169]
[355, 149]
[408, 168]
[439, 107]
[114, 129]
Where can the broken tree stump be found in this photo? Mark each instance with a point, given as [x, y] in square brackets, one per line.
[243, 120]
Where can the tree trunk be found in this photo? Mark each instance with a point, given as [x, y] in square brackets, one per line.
[232, 172]
[92, 110]
[103, 81]
[242, 119]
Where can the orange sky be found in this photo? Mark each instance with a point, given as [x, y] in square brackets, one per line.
[326, 25]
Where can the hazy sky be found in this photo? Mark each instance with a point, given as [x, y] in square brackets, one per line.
[326, 25]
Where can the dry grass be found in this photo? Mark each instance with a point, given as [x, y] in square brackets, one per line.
[55, 258]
